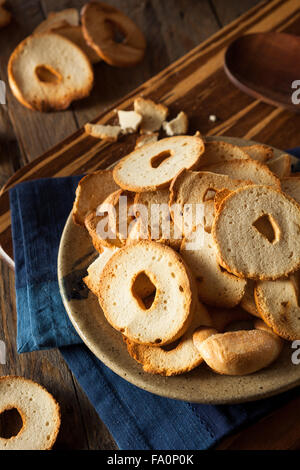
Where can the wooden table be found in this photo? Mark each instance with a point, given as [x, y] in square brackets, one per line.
[172, 28]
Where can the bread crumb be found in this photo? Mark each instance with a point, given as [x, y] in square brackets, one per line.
[129, 121]
[153, 115]
[177, 126]
[105, 132]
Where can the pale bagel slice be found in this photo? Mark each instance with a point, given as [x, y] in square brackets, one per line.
[91, 191]
[248, 301]
[95, 269]
[259, 152]
[277, 302]
[245, 247]
[216, 286]
[140, 232]
[57, 73]
[251, 170]
[171, 311]
[190, 187]
[66, 23]
[280, 166]
[56, 19]
[143, 286]
[74, 34]
[291, 186]
[91, 222]
[218, 152]
[153, 166]
[109, 224]
[177, 358]
[154, 215]
[38, 409]
[100, 22]
[198, 189]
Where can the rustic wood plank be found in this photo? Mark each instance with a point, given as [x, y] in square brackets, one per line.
[80, 416]
[188, 24]
[48, 369]
[277, 431]
[35, 131]
[197, 84]
[166, 40]
[243, 116]
[45, 367]
[88, 109]
[10, 155]
[231, 9]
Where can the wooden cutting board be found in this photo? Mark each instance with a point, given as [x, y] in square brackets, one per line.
[197, 84]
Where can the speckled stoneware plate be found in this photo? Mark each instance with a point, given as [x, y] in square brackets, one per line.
[200, 385]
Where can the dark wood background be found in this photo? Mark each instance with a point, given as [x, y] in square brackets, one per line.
[172, 28]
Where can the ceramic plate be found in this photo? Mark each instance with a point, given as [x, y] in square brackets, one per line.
[200, 385]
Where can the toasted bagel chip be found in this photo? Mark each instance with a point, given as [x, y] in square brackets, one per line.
[247, 170]
[267, 222]
[154, 166]
[91, 191]
[170, 361]
[39, 411]
[278, 304]
[101, 23]
[216, 286]
[48, 82]
[172, 309]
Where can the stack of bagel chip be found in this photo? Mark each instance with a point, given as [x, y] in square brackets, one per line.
[223, 248]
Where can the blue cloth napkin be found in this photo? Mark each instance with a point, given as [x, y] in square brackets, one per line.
[137, 419]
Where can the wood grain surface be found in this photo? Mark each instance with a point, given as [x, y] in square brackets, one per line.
[195, 83]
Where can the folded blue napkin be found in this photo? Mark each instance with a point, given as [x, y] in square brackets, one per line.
[137, 419]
